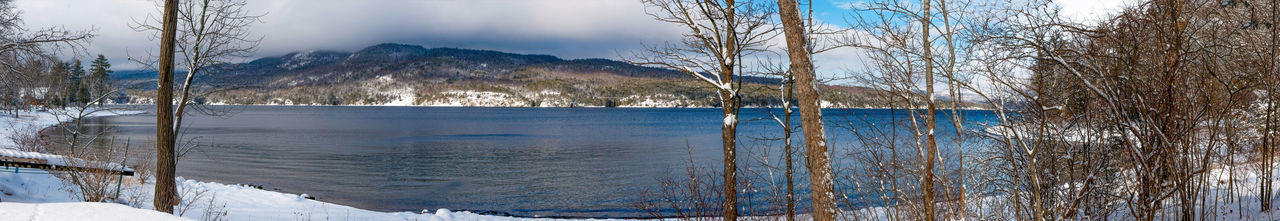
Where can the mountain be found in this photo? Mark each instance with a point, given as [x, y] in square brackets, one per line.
[398, 74]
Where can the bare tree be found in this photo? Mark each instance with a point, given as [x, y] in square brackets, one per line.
[786, 94]
[1101, 90]
[211, 33]
[720, 34]
[93, 162]
[1269, 85]
[818, 157]
[898, 36]
[207, 33]
[787, 88]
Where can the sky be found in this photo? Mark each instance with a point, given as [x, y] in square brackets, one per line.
[565, 28]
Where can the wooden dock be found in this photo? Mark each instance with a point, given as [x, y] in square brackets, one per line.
[14, 162]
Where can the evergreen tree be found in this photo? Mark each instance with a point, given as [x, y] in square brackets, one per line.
[76, 92]
[57, 94]
[99, 70]
[69, 92]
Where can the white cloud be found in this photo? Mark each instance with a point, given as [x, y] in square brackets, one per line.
[573, 29]
[1092, 10]
[847, 5]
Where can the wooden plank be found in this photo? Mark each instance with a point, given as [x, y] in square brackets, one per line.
[45, 166]
[22, 160]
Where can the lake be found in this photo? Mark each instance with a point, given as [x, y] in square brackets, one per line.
[575, 162]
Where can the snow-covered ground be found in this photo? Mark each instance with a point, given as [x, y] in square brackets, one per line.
[31, 194]
[79, 211]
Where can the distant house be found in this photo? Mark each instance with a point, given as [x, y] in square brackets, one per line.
[33, 96]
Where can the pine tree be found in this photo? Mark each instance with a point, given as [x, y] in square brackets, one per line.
[100, 71]
[76, 92]
[57, 94]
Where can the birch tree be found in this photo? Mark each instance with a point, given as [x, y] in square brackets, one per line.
[720, 33]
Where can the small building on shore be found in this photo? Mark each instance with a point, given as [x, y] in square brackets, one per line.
[34, 96]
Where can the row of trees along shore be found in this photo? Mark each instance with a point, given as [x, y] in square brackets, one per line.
[50, 82]
[1163, 109]
[34, 75]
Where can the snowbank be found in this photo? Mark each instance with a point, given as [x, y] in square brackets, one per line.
[241, 202]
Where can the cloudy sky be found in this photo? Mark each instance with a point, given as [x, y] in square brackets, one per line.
[564, 28]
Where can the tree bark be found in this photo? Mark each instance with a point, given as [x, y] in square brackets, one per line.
[166, 193]
[729, 135]
[931, 144]
[818, 159]
[729, 131]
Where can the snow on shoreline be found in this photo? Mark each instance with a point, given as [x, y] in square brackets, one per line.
[82, 211]
[34, 194]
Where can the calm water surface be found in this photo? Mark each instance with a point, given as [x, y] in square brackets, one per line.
[585, 162]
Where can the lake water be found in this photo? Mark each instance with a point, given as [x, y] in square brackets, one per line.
[579, 162]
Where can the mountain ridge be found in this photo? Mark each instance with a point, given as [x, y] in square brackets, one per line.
[402, 74]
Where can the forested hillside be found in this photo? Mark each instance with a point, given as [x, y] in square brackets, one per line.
[396, 74]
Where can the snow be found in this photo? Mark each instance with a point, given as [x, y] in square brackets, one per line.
[730, 119]
[469, 98]
[385, 79]
[242, 202]
[79, 211]
[57, 160]
[657, 100]
[31, 186]
[33, 120]
[299, 60]
[387, 86]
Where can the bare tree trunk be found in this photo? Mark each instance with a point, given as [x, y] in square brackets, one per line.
[931, 144]
[1265, 177]
[166, 166]
[788, 93]
[728, 133]
[818, 160]
[957, 117]
[1269, 150]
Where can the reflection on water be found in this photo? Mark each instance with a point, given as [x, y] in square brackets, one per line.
[549, 162]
